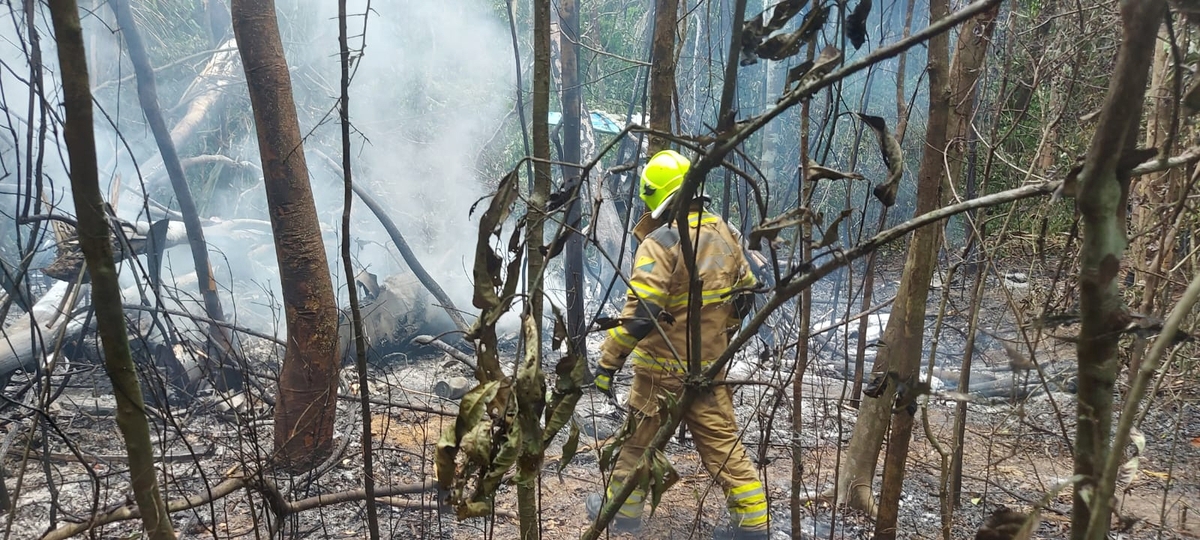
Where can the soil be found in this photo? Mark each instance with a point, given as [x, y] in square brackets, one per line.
[1015, 451]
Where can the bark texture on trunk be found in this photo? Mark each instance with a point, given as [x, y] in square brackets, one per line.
[1153, 196]
[905, 329]
[305, 408]
[662, 71]
[529, 458]
[965, 68]
[1103, 195]
[572, 118]
[95, 239]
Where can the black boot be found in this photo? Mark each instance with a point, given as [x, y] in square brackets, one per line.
[733, 532]
[595, 502]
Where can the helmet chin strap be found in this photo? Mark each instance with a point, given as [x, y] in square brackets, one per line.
[657, 213]
[663, 212]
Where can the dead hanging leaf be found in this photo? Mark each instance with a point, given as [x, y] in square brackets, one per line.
[506, 457]
[1127, 473]
[757, 41]
[783, 12]
[856, 24]
[560, 330]
[752, 35]
[1138, 439]
[892, 158]
[662, 476]
[568, 387]
[781, 46]
[829, 58]
[796, 73]
[476, 445]
[555, 247]
[487, 263]
[471, 412]
[831, 232]
[771, 228]
[815, 172]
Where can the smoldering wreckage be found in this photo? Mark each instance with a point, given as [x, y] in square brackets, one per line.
[410, 325]
[410, 334]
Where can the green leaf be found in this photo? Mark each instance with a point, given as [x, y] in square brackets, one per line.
[506, 456]
[477, 443]
[447, 449]
[662, 476]
[473, 406]
[570, 447]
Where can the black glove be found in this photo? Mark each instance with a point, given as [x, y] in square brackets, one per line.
[603, 378]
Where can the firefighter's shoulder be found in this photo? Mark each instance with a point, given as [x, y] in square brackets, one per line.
[665, 236]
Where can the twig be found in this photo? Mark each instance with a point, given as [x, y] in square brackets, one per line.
[446, 348]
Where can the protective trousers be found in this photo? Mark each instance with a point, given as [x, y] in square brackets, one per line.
[714, 430]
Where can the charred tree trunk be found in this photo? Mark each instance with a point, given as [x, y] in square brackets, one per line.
[662, 71]
[148, 96]
[305, 409]
[1103, 198]
[572, 116]
[96, 242]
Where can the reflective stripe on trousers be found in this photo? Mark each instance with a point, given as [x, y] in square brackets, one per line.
[632, 508]
[748, 505]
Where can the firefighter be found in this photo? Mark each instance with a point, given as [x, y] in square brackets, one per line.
[654, 330]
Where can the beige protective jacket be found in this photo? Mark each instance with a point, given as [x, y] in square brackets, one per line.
[658, 292]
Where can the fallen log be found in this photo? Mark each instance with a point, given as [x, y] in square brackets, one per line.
[207, 90]
[21, 348]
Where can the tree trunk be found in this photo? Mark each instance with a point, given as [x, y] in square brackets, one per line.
[965, 68]
[662, 71]
[1152, 195]
[148, 96]
[804, 306]
[1103, 195]
[305, 408]
[571, 119]
[529, 458]
[905, 329]
[96, 242]
[356, 317]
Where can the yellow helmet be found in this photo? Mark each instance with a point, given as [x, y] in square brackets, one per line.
[661, 179]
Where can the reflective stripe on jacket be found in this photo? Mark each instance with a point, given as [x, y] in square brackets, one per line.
[658, 295]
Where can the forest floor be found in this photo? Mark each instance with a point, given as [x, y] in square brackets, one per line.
[1015, 452]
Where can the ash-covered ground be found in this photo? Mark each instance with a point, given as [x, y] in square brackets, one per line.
[68, 464]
